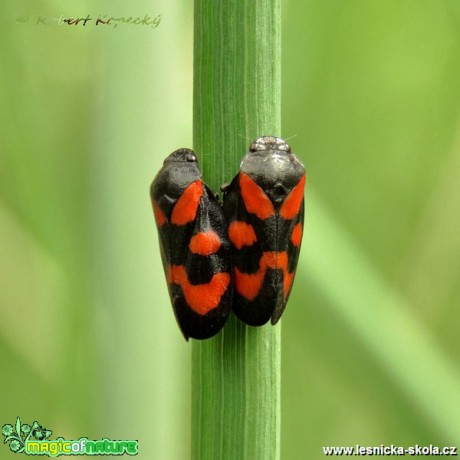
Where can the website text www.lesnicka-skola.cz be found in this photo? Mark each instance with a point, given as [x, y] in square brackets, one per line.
[417, 450]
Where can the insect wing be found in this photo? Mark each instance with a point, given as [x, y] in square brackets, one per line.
[264, 208]
[194, 248]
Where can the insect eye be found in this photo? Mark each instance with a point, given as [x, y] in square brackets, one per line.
[254, 147]
[190, 157]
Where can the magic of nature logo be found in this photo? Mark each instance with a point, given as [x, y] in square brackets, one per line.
[34, 439]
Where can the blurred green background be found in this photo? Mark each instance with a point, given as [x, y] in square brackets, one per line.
[88, 342]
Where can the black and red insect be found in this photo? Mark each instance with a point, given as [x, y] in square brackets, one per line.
[264, 209]
[194, 246]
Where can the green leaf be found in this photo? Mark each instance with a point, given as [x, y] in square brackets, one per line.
[9, 438]
[237, 93]
[18, 428]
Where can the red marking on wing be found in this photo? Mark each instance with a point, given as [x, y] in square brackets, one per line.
[160, 217]
[249, 285]
[186, 206]
[256, 201]
[201, 298]
[293, 201]
[205, 243]
[296, 236]
[275, 260]
[241, 234]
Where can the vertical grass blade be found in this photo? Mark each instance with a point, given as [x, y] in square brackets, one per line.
[237, 91]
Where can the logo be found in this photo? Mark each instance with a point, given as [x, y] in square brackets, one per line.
[35, 440]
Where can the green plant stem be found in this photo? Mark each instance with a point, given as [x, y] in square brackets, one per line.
[237, 92]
